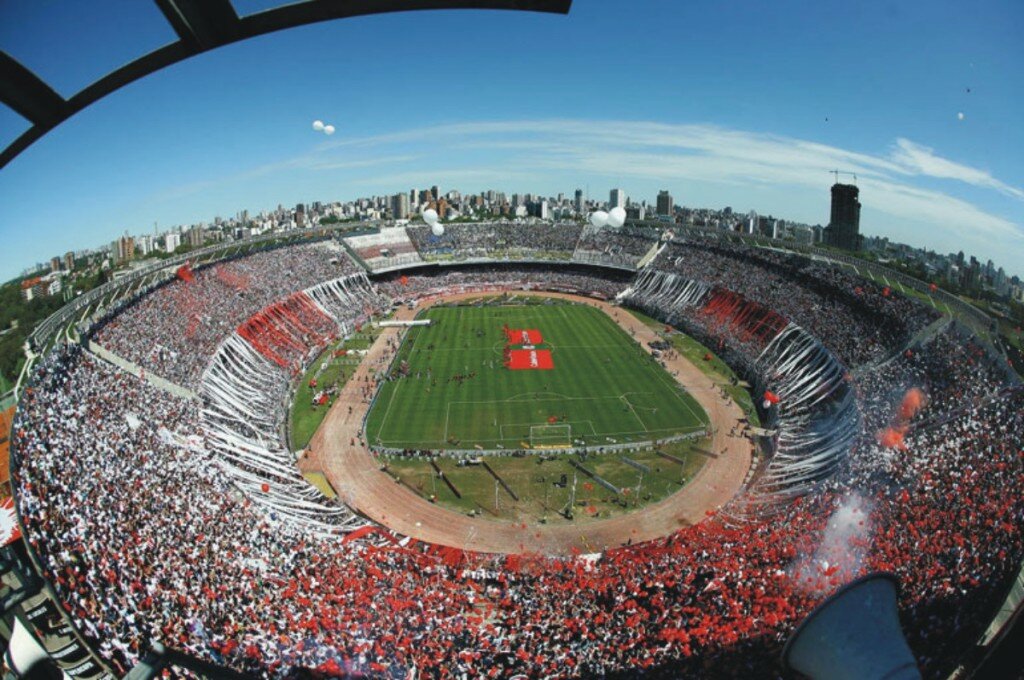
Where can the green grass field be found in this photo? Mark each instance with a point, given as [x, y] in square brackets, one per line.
[532, 478]
[329, 371]
[603, 386]
[715, 368]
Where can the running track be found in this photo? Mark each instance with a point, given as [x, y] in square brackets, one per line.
[356, 474]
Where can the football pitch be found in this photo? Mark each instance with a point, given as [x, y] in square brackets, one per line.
[452, 389]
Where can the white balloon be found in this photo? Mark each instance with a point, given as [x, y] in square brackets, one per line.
[599, 218]
[318, 125]
[328, 129]
[430, 216]
[437, 229]
[960, 116]
[616, 217]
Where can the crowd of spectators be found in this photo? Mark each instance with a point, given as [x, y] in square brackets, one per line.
[812, 413]
[567, 278]
[858, 320]
[383, 248]
[623, 247]
[952, 371]
[173, 330]
[145, 540]
[245, 398]
[497, 240]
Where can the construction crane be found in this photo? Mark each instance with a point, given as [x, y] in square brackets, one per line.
[836, 173]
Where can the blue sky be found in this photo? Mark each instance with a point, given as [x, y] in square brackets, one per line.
[721, 103]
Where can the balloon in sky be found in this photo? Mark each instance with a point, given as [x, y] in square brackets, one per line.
[318, 125]
[328, 129]
[437, 229]
[616, 217]
[599, 218]
[960, 116]
[430, 216]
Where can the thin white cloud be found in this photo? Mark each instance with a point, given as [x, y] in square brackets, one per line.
[444, 177]
[921, 160]
[531, 154]
[312, 161]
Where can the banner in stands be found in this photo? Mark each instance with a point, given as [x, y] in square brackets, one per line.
[530, 359]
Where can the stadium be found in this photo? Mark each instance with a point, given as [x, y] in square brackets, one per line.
[153, 473]
[421, 444]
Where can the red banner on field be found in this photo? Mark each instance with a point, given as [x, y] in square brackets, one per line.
[523, 336]
[530, 359]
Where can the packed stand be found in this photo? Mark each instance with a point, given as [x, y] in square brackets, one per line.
[288, 328]
[143, 541]
[808, 403]
[951, 371]
[623, 247]
[173, 330]
[202, 571]
[497, 240]
[858, 320]
[389, 247]
[245, 395]
[567, 279]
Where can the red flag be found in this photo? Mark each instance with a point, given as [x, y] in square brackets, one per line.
[185, 273]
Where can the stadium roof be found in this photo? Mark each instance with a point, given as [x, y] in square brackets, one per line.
[201, 25]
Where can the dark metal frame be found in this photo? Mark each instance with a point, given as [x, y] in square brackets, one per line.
[202, 25]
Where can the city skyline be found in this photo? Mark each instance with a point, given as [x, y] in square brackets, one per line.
[956, 268]
[753, 129]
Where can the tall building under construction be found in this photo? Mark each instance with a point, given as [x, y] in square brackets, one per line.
[843, 230]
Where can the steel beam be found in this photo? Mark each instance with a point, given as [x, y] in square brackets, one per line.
[202, 25]
[28, 95]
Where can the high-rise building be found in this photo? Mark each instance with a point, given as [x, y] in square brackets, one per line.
[636, 212]
[69, 261]
[125, 248]
[400, 206]
[54, 264]
[778, 228]
[436, 191]
[171, 241]
[843, 230]
[616, 198]
[666, 206]
[578, 201]
[195, 236]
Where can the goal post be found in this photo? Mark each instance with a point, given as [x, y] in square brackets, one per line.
[550, 436]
